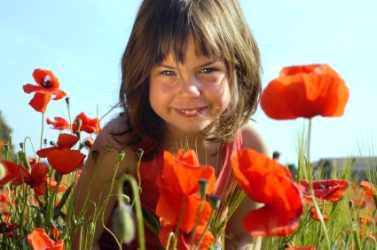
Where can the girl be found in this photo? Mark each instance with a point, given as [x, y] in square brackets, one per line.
[190, 75]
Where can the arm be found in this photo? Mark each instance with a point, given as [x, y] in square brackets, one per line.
[104, 173]
[253, 140]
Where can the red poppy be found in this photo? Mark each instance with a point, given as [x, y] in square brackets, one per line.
[305, 91]
[36, 179]
[51, 184]
[300, 248]
[60, 123]
[368, 189]
[39, 240]
[12, 170]
[48, 85]
[179, 183]
[265, 180]
[183, 240]
[6, 229]
[329, 190]
[1, 144]
[62, 158]
[315, 216]
[88, 125]
[360, 204]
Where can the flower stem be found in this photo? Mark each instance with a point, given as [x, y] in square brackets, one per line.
[196, 222]
[179, 222]
[310, 175]
[43, 118]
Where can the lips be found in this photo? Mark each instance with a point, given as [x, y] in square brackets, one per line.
[191, 112]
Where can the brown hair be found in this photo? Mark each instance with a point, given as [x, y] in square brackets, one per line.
[162, 26]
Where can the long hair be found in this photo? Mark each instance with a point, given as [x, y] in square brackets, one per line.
[161, 27]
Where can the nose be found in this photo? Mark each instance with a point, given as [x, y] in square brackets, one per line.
[190, 86]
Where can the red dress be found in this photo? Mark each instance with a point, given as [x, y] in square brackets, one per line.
[149, 171]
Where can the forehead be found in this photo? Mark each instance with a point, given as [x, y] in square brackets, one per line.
[190, 47]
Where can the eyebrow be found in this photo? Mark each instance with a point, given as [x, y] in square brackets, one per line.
[200, 66]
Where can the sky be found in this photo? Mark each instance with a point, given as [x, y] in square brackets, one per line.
[82, 43]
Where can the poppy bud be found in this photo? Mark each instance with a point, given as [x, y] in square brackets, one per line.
[95, 155]
[6, 147]
[81, 145]
[139, 152]
[203, 187]
[67, 99]
[2, 171]
[214, 201]
[108, 147]
[58, 176]
[78, 134]
[21, 145]
[350, 204]
[52, 143]
[120, 155]
[78, 123]
[45, 142]
[124, 227]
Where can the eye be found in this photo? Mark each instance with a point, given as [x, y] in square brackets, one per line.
[167, 72]
[208, 70]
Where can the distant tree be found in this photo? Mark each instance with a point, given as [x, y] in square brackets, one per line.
[5, 132]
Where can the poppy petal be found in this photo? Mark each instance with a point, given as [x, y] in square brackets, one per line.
[305, 91]
[39, 240]
[12, 170]
[183, 241]
[67, 141]
[268, 221]
[59, 245]
[23, 177]
[29, 88]
[64, 161]
[169, 207]
[59, 94]
[183, 177]
[45, 79]
[43, 153]
[40, 101]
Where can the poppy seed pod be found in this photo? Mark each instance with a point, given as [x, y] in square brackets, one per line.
[120, 155]
[78, 123]
[124, 227]
[203, 187]
[95, 155]
[139, 152]
[214, 201]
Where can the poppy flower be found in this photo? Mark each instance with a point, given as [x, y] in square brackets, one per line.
[179, 183]
[39, 240]
[12, 170]
[315, 216]
[6, 229]
[184, 240]
[36, 179]
[87, 124]
[369, 189]
[265, 180]
[62, 158]
[48, 85]
[1, 144]
[305, 91]
[329, 190]
[300, 248]
[51, 184]
[60, 123]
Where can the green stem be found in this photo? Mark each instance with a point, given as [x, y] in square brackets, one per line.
[204, 232]
[43, 118]
[196, 222]
[179, 222]
[139, 215]
[310, 174]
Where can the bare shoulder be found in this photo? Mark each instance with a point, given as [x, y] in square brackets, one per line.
[252, 139]
[113, 134]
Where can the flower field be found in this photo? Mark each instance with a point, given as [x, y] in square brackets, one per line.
[304, 211]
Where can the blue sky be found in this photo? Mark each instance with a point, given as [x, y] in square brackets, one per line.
[82, 43]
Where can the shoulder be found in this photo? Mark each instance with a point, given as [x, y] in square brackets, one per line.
[253, 139]
[114, 134]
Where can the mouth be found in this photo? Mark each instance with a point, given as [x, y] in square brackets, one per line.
[190, 112]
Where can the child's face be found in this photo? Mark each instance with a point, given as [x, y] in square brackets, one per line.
[189, 95]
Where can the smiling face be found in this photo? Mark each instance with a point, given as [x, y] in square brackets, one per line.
[189, 95]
